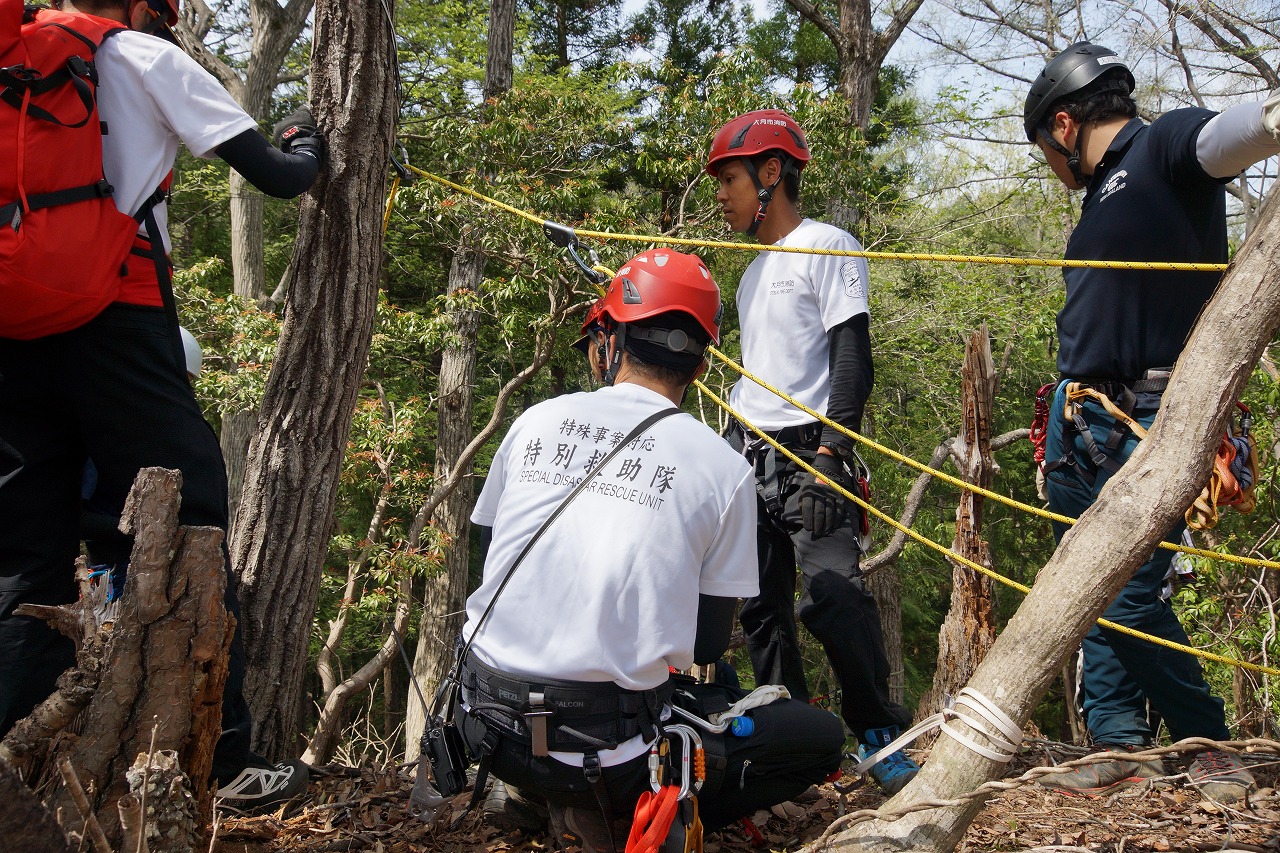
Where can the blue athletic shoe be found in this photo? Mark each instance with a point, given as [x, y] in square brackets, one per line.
[892, 773]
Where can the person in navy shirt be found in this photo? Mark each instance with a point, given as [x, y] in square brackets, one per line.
[1152, 193]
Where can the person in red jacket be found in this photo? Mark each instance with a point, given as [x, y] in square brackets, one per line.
[115, 389]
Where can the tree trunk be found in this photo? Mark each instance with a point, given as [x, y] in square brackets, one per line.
[446, 593]
[1095, 559]
[291, 479]
[274, 29]
[237, 431]
[886, 588]
[970, 626]
[860, 48]
[247, 255]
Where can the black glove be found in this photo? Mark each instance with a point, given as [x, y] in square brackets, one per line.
[297, 134]
[822, 508]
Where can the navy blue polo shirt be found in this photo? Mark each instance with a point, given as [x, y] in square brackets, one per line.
[1148, 200]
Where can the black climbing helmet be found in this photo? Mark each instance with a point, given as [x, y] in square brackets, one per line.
[1067, 73]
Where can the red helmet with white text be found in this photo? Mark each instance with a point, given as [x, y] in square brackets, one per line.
[755, 133]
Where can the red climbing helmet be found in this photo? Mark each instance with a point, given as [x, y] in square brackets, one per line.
[660, 281]
[590, 325]
[755, 133]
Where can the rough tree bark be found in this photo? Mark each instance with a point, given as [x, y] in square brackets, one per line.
[1097, 557]
[161, 666]
[860, 48]
[446, 592]
[970, 626]
[273, 30]
[291, 480]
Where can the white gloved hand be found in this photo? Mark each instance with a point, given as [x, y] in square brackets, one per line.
[1271, 115]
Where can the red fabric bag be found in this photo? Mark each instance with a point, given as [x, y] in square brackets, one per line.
[63, 243]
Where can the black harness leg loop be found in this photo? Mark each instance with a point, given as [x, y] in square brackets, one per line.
[488, 746]
[595, 778]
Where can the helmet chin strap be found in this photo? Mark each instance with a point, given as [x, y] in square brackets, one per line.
[764, 194]
[611, 365]
[1073, 157]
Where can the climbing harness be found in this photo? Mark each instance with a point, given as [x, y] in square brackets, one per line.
[1235, 472]
[671, 793]
[775, 474]
[1235, 464]
[443, 743]
[1101, 392]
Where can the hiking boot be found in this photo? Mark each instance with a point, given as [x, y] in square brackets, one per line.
[1221, 776]
[586, 829]
[893, 773]
[261, 784]
[1105, 776]
[506, 809]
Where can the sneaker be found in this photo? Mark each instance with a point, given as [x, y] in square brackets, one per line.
[261, 784]
[506, 809]
[893, 773]
[1221, 776]
[1104, 776]
[585, 829]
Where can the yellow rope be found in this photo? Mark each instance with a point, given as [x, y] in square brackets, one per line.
[956, 481]
[892, 522]
[983, 570]
[803, 250]
[391, 200]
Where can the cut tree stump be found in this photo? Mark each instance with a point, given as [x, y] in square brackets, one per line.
[969, 630]
[163, 665]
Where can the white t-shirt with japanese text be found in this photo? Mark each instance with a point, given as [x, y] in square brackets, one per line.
[786, 305]
[152, 96]
[610, 590]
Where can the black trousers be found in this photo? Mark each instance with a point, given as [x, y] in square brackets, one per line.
[834, 604]
[108, 391]
[794, 745]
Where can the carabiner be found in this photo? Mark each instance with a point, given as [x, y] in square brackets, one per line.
[693, 770]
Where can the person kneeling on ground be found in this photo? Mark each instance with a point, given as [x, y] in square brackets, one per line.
[638, 574]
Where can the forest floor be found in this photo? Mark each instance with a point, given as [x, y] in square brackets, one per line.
[349, 810]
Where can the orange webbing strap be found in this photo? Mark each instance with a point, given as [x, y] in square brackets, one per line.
[1076, 392]
[1223, 489]
[654, 816]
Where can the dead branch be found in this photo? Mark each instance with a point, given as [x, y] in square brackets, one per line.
[91, 827]
[134, 837]
[320, 749]
[911, 508]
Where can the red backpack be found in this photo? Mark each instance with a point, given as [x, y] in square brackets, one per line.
[63, 243]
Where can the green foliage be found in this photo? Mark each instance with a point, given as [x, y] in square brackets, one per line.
[600, 143]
